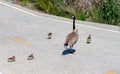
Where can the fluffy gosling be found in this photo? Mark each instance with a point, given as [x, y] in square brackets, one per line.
[11, 59]
[89, 39]
[49, 35]
[31, 57]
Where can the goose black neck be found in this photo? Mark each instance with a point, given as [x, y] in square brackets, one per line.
[73, 22]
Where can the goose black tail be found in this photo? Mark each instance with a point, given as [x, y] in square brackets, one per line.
[65, 44]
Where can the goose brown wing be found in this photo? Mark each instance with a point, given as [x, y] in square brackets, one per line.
[71, 37]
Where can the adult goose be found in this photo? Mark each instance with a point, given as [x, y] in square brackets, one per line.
[72, 37]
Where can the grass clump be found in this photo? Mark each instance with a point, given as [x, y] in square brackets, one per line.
[24, 2]
[55, 7]
[108, 13]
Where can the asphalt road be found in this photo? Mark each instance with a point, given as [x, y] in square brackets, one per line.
[23, 33]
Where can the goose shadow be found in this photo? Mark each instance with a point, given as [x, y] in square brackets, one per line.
[68, 51]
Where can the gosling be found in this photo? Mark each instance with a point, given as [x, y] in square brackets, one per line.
[89, 39]
[30, 57]
[11, 59]
[49, 35]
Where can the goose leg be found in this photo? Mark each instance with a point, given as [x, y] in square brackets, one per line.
[71, 46]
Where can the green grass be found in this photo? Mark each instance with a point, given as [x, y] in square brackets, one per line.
[108, 12]
[24, 2]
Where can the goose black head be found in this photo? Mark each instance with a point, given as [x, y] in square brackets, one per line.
[73, 17]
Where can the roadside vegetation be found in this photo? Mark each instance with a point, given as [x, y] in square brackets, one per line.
[103, 11]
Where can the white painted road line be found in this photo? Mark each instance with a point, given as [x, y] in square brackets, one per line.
[57, 20]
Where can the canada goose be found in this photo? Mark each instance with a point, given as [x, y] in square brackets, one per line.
[49, 35]
[72, 37]
[89, 39]
[31, 57]
[11, 59]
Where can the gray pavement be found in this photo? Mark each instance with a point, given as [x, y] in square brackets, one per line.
[22, 34]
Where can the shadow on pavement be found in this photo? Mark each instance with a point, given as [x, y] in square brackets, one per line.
[68, 51]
